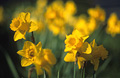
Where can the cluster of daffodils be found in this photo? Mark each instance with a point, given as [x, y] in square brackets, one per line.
[87, 25]
[43, 59]
[60, 18]
[59, 15]
[80, 51]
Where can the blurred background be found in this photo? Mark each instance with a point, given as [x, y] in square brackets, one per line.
[10, 60]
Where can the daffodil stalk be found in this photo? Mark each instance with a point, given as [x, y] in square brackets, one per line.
[30, 71]
[74, 70]
[32, 38]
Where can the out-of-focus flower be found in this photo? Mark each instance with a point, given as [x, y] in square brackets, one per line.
[1, 14]
[92, 25]
[54, 17]
[70, 7]
[58, 16]
[34, 54]
[39, 10]
[97, 53]
[21, 25]
[85, 25]
[97, 13]
[39, 24]
[113, 26]
[70, 10]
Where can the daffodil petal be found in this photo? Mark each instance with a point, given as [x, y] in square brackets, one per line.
[95, 62]
[86, 48]
[38, 69]
[24, 16]
[33, 27]
[69, 57]
[93, 44]
[25, 62]
[27, 17]
[39, 46]
[84, 38]
[27, 44]
[80, 62]
[49, 56]
[48, 69]
[18, 35]
[21, 52]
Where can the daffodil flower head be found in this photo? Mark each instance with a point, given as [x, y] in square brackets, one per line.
[34, 54]
[21, 25]
[29, 53]
[78, 55]
[83, 25]
[70, 7]
[97, 13]
[113, 26]
[74, 41]
[97, 53]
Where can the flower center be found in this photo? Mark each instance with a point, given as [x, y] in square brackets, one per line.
[72, 41]
[25, 26]
[17, 23]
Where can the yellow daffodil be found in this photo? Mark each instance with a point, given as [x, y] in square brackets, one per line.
[59, 15]
[92, 25]
[21, 25]
[39, 24]
[69, 12]
[74, 41]
[54, 17]
[97, 13]
[34, 54]
[70, 7]
[113, 26]
[78, 55]
[86, 25]
[97, 53]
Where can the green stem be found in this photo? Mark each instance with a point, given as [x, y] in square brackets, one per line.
[30, 71]
[32, 38]
[94, 75]
[58, 74]
[44, 75]
[84, 73]
[74, 71]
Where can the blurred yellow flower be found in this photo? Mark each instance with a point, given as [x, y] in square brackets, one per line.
[78, 56]
[39, 24]
[98, 13]
[113, 26]
[97, 53]
[34, 54]
[69, 11]
[74, 41]
[59, 15]
[1, 14]
[54, 17]
[70, 7]
[86, 25]
[92, 25]
[21, 25]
